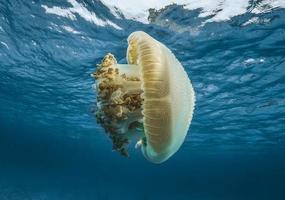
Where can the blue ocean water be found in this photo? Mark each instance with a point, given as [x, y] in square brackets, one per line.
[52, 148]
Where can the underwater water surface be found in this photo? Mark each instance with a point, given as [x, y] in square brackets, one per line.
[52, 148]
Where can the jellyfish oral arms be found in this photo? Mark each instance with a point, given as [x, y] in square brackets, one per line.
[150, 99]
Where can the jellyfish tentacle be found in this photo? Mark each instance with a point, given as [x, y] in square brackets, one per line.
[119, 101]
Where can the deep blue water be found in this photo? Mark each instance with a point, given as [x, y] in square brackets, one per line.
[51, 147]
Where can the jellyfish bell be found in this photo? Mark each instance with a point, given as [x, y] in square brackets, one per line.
[150, 99]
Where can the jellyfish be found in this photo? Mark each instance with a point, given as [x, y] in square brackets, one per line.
[150, 100]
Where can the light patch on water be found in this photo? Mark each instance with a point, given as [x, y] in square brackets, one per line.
[58, 46]
[113, 9]
[268, 5]
[59, 11]
[135, 10]
[223, 9]
[69, 29]
[253, 20]
[256, 20]
[211, 88]
[230, 9]
[34, 43]
[250, 61]
[6, 45]
[54, 27]
[78, 8]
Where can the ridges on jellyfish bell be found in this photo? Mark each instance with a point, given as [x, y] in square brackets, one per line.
[150, 99]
